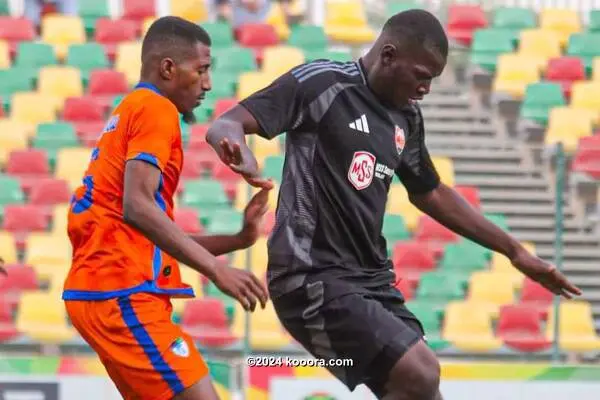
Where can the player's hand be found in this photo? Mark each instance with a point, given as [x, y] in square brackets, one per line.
[241, 285]
[253, 216]
[545, 274]
[231, 154]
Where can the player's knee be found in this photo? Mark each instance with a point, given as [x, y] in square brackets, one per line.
[416, 376]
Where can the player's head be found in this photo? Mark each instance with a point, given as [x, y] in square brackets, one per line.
[411, 50]
[176, 58]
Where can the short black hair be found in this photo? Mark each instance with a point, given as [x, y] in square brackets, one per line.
[418, 27]
[171, 36]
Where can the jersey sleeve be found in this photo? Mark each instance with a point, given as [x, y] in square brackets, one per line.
[279, 107]
[151, 134]
[416, 170]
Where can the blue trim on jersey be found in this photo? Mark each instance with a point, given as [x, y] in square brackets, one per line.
[146, 287]
[83, 204]
[157, 257]
[147, 85]
[144, 340]
[147, 157]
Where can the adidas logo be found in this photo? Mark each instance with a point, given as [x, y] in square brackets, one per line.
[360, 124]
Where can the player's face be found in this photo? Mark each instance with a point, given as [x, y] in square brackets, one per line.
[192, 79]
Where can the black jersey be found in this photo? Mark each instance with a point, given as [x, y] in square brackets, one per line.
[343, 148]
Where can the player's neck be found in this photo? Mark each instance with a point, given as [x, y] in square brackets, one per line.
[378, 88]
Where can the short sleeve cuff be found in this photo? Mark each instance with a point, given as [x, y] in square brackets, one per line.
[146, 157]
[263, 126]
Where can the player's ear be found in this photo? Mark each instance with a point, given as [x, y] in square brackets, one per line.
[167, 68]
[389, 53]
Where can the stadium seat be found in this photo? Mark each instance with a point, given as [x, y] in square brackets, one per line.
[86, 57]
[43, 318]
[411, 259]
[228, 178]
[536, 296]
[264, 148]
[487, 45]
[394, 230]
[223, 105]
[586, 47]
[138, 10]
[584, 95]
[28, 166]
[90, 11]
[539, 99]
[206, 321]
[265, 331]
[565, 22]
[54, 136]
[13, 137]
[192, 10]
[71, 164]
[465, 255]
[129, 61]
[18, 278]
[541, 44]
[468, 327]
[568, 125]
[431, 325]
[60, 219]
[490, 289]
[205, 194]
[470, 194]
[5, 58]
[225, 222]
[520, 328]
[86, 115]
[429, 230]
[12, 81]
[587, 158]
[308, 38]
[346, 22]
[514, 72]
[406, 287]
[187, 219]
[34, 107]
[257, 36]
[50, 192]
[565, 71]
[35, 55]
[61, 31]
[234, 60]
[258, 258]
[278, 60]
[8, 248]
[435, 286]
[463, 21]
[398, 203]
[277, 18]
[106, 84]
[577, 332]
[445, 169]
[50, 255]
[273, 167]
[60, 82]
[512, 20]
[221, 35]
[22, 219]
[251, 82]
[502, 265]
[15, 31]
[333, 55]
[110, 33]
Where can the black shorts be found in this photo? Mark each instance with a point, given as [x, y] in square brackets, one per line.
[335, 320]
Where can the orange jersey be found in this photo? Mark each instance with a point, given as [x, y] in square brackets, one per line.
[111, 258]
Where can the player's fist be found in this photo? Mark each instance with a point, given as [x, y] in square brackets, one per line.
[242, 286]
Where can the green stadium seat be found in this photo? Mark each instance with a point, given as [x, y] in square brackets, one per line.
[87, 57]
[431, 324]
[35, 55]
[539, 99]
[514, 19]
[594, 22]
[211, 290]
[116, 100]
[223, 84]
[308, 38]
[11, 192]
[333, 55]
[396, 6]
[221, 34]
[225, 222]
[394, 229]
[4, 7]
[13, 80]
[234, 60]
[586, 46]
[90, 11]
[273, 167]
[499, 220]
[441, 287]
[54, 136]
[488, 44]
[205, 110]
[208, 195]
[464, 255]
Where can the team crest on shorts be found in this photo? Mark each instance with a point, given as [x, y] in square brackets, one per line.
[361, 170]
[180, 348]
[400, 139]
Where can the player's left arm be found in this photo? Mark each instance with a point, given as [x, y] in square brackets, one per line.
[249, 233]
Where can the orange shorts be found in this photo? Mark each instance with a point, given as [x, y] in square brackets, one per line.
[145, 354]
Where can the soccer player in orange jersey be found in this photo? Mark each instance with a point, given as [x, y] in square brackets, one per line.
[126, 246]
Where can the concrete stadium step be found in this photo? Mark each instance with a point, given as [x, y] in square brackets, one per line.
[569, 239]
[459, 128]
[509, 183]
[587, 266]
[521, 223]
[515, 196]
[523, 209]
[477, 154]
[454, 115]
[572, 252]
[584, 281]
[491, 169]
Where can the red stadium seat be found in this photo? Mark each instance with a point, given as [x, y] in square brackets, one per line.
[536, 296]
[471, 195]
[406, 287]
[463, 21]
[435, 234]
[192, 168]
[223, 105]
[410, 259]
[257, 37]
[18, 278]
[138, 10]
[22, 219]
[206, 159]
[105, 84]
[50, 192]
[198, 137]
[87, 116]
[228, 178]
[1, 108]
[520, 328]
[206, 321]
[111, 32]
[15, 30]
[565, 71]
[187, 219]
[587, 157]
[29, 166]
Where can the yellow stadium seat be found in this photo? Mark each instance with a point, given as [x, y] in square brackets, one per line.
[43, 318]
[277, 60]
[585, 95]
[8, 248]
[60, 82]
[258, 258]
[13, 136]
[346, 22]
[59, 219]
[596, 69]
[62, 31]
[71, 164]
[266, 332]
[34, 108]
[4, 55]
[192, 10]
[445, 169]
[468, 326]
[541, 44]
[491, 289]
[146, 24]
[49, 255]
[562, 21]
[576, 327]
[242, 199]
[251, 82]
[514, 73]
[263, 148]
[129, 60]
[189, 277]
[277, 19]
[568, 125]
[398, 203]
[502, 266]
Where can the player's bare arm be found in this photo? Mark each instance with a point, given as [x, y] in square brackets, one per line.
[253, 217]
[140, 211]
[448, 207]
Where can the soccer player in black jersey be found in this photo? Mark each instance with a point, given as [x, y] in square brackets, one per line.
[350, 127]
